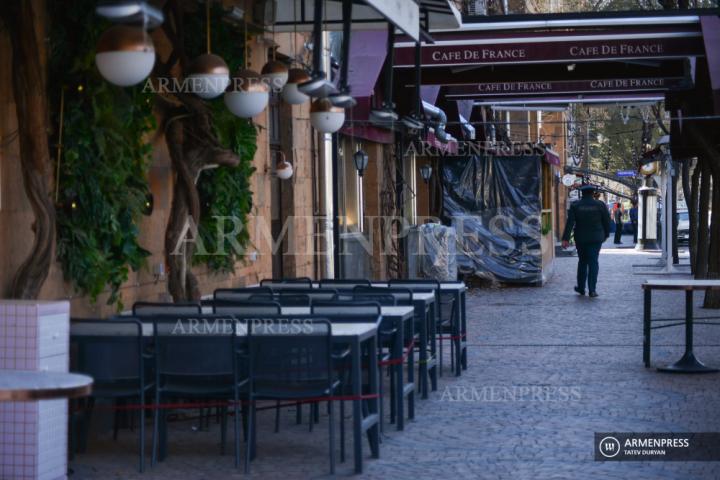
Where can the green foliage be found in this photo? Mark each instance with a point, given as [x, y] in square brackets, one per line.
[103, 185]
[225, 195]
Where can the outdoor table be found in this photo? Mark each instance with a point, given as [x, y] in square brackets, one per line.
[22, 385]
[402, 316]
[354, 335]
[424, 303]
[688, 363]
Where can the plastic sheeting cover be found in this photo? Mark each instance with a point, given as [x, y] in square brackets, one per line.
[494, 204]
[438, 247]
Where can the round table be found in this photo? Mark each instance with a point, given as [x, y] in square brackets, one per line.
[21, 385]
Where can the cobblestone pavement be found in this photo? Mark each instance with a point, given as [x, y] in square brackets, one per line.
[496, 421]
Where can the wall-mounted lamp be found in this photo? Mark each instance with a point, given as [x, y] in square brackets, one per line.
[361, 161]
[426, 172]
[283, 168]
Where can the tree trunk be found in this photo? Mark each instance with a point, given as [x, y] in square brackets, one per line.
[192, 145]
[692, 196]
[25, 21]
[701, 257]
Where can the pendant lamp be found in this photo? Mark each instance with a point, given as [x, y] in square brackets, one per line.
[125, 55]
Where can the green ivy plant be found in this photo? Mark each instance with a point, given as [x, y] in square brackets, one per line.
[105, 157]
[225, 192]
[102, 182]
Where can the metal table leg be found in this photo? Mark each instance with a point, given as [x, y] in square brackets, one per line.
[688, 363]
[398, 377]
[357, 405]
[647, 315]
[374, 402]
[463, 330]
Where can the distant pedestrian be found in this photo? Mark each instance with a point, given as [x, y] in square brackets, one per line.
[617, 218]
[634, 219]
[591, 223]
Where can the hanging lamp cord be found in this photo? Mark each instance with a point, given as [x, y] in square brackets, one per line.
[207, 24]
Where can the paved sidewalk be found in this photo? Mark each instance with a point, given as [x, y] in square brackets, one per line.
[547, 369]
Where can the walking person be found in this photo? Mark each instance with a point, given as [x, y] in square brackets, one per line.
[591, 223]
[634, 219]
[617, 218]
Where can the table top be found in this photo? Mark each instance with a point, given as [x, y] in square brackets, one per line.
[385, 311]
[680, 284]
[339, 330]
[23, 385]
[444, 286]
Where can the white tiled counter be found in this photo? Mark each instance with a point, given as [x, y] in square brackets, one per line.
[34, 335]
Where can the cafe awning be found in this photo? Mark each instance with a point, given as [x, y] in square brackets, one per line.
[406, 15]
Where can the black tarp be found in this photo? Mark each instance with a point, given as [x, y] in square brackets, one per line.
[494, 204]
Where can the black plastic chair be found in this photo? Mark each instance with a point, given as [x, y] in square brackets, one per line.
[447, 325]
[286, 283]
[363, 311]
[195, 359]
[314, 294]
[113, 354]
[288, 365]
[240, 294]
[384, 299]
[344, 283]
[150, 309]
[403, 296]
[285, 299]
[246, 308]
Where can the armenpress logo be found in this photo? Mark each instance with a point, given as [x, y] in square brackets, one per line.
[609, 447]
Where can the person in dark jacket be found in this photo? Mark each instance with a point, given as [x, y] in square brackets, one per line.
[617, 218]
[634, 219]
[591, 223]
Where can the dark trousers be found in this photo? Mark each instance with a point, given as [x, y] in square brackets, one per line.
[634, 229]
[618, 232]
[588, 267]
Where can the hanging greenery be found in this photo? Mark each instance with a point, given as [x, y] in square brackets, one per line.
[105, 156]
[225, 194]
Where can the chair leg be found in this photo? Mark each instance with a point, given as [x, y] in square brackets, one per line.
[72, 433]
[452, 356]
[277, 416]
[223, 429]
[441, 352]
[236, 431]
[393, 393]
[244, 408]
[331, 424]
[116, 418]
[142, 433]
[156, 431]
[251, 435]
[342, 430]
[311, 417]
[85, 424]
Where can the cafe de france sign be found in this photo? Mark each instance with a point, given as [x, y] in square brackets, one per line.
[463, 50]
[640, 84]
